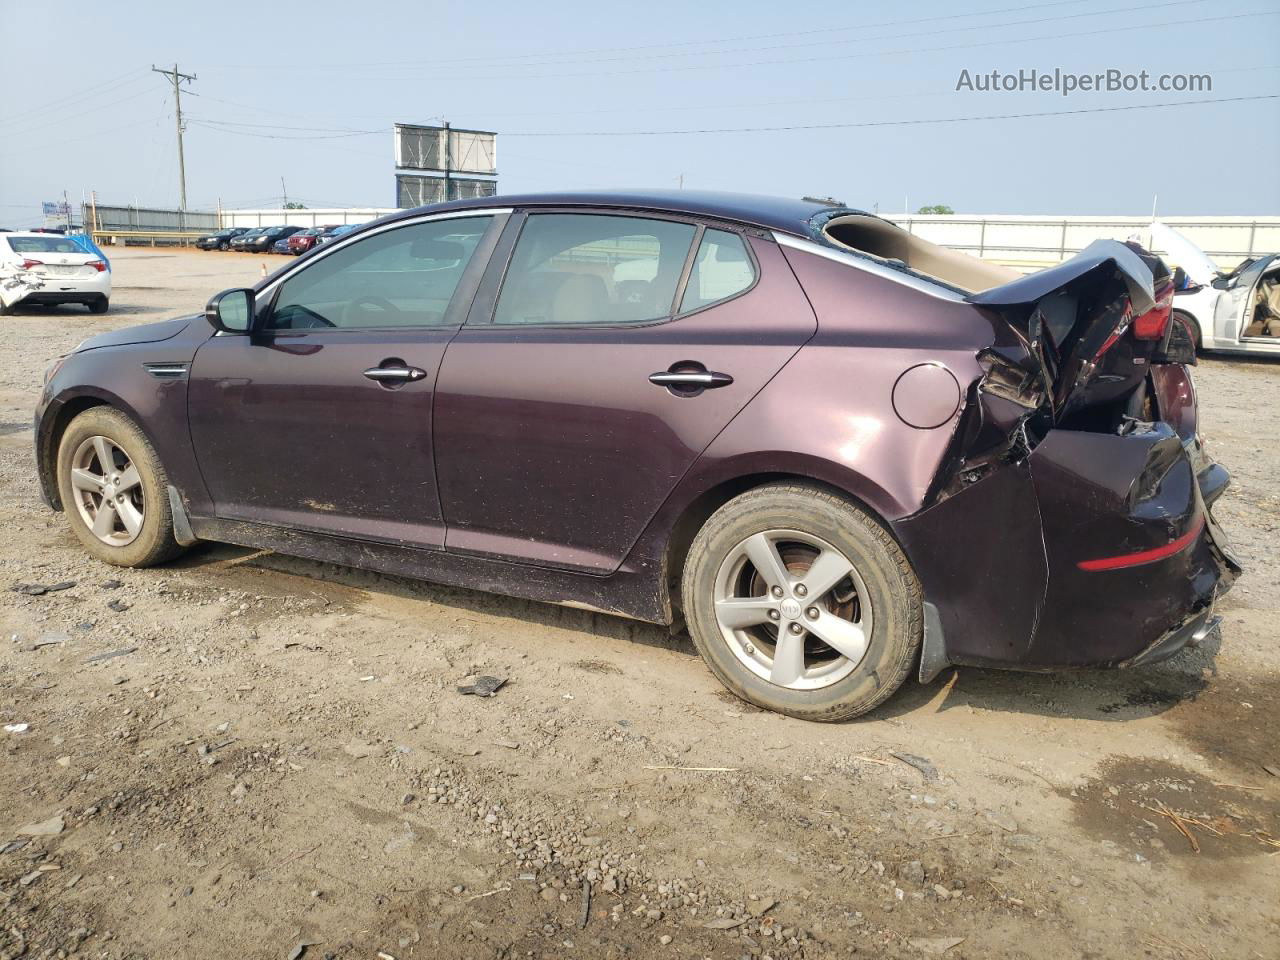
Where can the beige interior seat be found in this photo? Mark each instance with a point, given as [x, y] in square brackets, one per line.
[880, 238]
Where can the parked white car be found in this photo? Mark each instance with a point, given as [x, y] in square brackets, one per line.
[47, 268]
[1236, 312]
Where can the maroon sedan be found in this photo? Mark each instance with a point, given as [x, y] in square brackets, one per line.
[304, 240]
[838, 453]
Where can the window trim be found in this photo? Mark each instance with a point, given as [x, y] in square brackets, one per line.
[755, 274]
[455, 313]
[485, 307]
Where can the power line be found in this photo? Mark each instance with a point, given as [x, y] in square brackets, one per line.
[897, 36]
[107, 86]
[498, 58]
[894, 123]
[209, 125]
[907, 51]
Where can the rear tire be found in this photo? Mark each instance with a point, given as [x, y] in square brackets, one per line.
[874, 611]
[99, 435]
[99, 306]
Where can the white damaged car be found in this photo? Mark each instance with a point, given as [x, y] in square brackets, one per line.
[49, 269]
[1236, 312]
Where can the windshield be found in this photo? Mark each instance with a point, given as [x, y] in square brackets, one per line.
[43, 245]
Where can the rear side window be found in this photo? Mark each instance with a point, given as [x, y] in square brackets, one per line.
[404, 277]
[588, 268]
[721, 269]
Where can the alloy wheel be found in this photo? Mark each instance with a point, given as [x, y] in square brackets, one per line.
[793, 609]
[108, 491]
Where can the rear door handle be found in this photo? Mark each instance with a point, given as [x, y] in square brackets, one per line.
[691, 379]
[403, 374]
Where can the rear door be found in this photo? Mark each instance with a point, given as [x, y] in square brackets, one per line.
[603, 354]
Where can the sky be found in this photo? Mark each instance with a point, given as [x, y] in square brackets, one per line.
[851, 100]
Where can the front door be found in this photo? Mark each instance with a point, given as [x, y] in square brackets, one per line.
[321, 419]
[1246, 310]
[580, 392]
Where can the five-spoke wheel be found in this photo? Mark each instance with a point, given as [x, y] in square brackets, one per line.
[793, 609]
[801, 602]
[114, 490]
[108, 490]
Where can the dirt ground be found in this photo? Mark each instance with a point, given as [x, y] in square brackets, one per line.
[275, 757]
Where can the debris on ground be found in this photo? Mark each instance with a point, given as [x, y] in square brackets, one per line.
[119, 606]
[110, 654]
[45, 828]
[40, 589]
[17, 727]
[927, 769]
[935, 946]
[484, 686]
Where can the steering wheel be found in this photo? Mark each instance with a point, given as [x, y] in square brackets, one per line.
[297, 317]
[367, 300]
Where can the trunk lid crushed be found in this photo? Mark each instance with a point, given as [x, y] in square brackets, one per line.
[1061, 457]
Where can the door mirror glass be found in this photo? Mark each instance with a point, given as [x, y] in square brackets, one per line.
[230, 311]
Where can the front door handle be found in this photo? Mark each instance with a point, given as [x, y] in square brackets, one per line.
[691, 379]
[397, 374]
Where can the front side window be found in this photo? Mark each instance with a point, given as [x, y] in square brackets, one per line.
[588, 268]
[721, 269]
[398, 278]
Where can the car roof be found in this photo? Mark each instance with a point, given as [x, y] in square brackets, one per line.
[785, 214]
[10, 234]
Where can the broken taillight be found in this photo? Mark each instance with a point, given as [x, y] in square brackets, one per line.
[1152, 324]
[28, 264]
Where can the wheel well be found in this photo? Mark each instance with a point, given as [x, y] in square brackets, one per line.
[1191, 324]
[700, 510]
[53, 438]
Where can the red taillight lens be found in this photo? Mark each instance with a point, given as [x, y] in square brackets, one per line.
[28, 264]
[98, 265]
[1145, 556]
[1152, 324]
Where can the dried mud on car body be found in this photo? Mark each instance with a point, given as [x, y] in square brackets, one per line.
[284, 759]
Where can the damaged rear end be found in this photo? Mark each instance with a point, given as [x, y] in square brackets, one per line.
[1076, 485]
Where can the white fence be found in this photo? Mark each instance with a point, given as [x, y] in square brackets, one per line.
[1025, 242]
[299, 218]
[1032, 242]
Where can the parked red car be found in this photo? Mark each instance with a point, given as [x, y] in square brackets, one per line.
[301, 242]
[837, 452]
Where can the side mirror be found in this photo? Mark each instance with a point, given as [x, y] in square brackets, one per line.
[230, 311]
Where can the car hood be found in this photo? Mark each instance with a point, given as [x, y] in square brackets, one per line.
[1184, 253]
[146, 333]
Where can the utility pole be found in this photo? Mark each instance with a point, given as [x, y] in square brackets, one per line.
[285, 191]
[176, 78]
[448, 159]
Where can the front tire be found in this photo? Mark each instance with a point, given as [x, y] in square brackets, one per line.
[114, 490]
[801, 603]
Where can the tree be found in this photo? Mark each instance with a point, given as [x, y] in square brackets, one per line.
[936, 208]
[295, 205]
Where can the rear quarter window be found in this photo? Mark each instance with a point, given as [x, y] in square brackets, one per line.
[722, 269]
